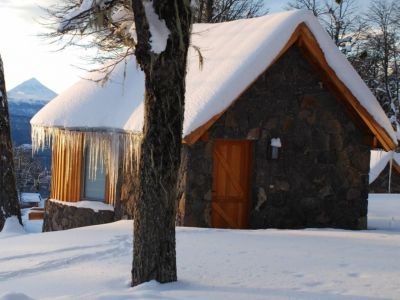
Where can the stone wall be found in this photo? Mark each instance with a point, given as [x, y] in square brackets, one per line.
[58, 216]
[321, 176]
[381, 184]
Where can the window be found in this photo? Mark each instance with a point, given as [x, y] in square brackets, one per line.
[94, 188]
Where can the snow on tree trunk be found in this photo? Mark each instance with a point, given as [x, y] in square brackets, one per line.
[9, 205]
[154, 254]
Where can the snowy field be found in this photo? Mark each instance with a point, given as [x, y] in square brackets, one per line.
[94, 262]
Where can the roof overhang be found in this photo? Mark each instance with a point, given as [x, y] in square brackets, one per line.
[306, 41]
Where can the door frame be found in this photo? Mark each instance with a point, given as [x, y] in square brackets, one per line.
[250, 149]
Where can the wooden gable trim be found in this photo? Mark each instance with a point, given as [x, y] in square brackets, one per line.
[304, 38]
[313, 51]
[191, 138]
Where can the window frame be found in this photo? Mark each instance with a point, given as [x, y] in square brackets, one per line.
[84, 172]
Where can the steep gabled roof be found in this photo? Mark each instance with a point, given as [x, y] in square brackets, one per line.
[235, 54]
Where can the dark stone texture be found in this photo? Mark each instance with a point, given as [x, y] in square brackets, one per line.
[321, 176]
[125, 205]
[58, 216]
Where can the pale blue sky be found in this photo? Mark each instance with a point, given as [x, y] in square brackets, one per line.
[25, 55]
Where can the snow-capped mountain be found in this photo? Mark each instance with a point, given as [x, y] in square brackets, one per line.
[31, 91]
[24, 101]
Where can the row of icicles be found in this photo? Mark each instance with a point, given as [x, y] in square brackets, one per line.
[103, 149]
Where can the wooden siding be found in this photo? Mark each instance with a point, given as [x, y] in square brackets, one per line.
[66, 169]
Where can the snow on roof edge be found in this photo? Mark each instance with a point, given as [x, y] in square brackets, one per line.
[349, 76]
[219, 98]
[96, 206]
[378, 162]
[351, 79]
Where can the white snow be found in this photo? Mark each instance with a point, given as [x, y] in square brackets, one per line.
[32, 92]
[30, 226]
[95, 263]
[15, 296]
[68, 21]
[91, 104]
[384, 212]
[25, 147]
[31, 197]
[93, 205]
[158, 29]
[378, 162]
[12, 227]
[235, 53]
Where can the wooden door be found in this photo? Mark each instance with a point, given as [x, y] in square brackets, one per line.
[231, 183]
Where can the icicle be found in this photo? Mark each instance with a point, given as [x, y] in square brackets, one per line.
[104, 147]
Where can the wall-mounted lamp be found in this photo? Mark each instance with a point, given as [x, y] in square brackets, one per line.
[275, 145]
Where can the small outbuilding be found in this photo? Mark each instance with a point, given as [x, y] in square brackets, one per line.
[30, 200]
[277, 133]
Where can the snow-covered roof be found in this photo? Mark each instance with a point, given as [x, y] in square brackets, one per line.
[235, 54]
[31, 197]
[378, 162]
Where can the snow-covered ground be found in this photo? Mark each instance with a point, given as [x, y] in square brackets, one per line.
[384, 213]
[94, 262]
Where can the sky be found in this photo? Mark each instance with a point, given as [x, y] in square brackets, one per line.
[26, 55]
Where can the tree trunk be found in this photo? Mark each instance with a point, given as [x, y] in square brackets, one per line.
[154, 254]
[9, 205]
[209, 10]
[199, 18]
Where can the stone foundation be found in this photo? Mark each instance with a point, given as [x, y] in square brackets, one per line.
[58, 216]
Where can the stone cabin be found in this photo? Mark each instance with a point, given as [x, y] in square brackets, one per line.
[277, 134]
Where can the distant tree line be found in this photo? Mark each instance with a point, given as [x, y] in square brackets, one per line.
[216, 11]
[30, 172]
[371, 40]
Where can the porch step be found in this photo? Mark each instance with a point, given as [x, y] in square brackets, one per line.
[36, 214]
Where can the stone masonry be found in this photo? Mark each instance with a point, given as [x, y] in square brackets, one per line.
[60, 217]
[321, 176]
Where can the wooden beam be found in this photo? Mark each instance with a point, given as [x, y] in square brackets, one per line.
[191, 138]
[310, 44]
